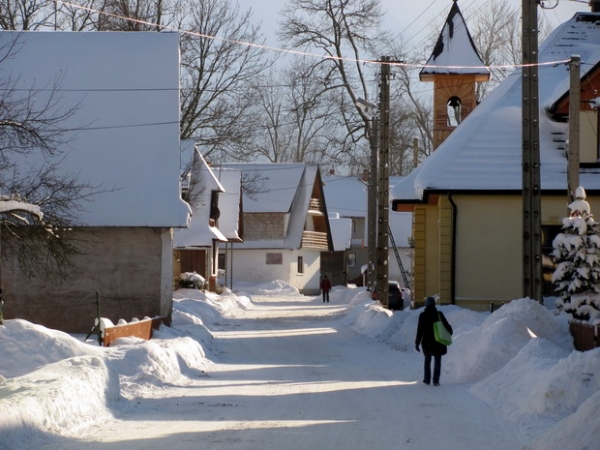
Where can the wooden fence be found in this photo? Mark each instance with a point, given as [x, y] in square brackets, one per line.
[142, 329]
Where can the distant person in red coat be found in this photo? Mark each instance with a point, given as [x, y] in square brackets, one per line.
[325, 288]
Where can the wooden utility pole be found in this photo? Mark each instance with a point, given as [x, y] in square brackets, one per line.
[383, 174]
[532, 204]
[415, 153]
[372, 206]
[574, 104]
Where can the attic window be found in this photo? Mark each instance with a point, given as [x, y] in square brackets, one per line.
[454, 111]
[214, 206]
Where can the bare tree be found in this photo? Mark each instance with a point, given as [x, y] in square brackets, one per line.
[217, 69]
[82, 17]
[270, 129]
[296, 115]
[50, 15]
[31, 122]
[132, 15]
[496, 32]
[412, 119]
[26, 14]
[346, 32]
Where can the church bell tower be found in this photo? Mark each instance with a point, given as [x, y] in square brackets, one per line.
[454, 67]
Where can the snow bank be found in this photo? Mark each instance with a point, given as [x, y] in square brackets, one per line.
[58, 398]
[26, 347]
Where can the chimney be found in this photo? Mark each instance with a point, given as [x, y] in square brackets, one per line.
[595, 5]
[365, 175]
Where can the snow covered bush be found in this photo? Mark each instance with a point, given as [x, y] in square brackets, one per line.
[192, 280]
[577, 274]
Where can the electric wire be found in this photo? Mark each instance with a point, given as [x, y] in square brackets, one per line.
[297, 52]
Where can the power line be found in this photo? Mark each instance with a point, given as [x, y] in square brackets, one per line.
[111, 127]
[289, 51]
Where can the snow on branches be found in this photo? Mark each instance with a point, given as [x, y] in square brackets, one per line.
[577, 275]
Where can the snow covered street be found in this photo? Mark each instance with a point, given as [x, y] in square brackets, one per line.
[288, 375]
[287, 371]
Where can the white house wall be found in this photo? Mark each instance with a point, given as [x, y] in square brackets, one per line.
[250, 266]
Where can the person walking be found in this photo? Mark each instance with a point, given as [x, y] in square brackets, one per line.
[325, 288]
[426, 338]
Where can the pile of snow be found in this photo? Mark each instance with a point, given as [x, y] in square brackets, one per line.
[518, 359]
[276, 287]
[192, 280]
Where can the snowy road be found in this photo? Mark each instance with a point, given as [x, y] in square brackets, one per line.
[290, 376]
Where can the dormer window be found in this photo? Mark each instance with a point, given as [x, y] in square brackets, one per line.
[454, 111]
[214, 208]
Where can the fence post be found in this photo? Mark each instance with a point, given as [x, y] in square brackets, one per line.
[97, 328]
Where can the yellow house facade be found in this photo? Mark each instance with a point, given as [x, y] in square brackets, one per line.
[467, 247]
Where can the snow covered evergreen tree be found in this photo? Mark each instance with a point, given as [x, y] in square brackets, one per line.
[577, 276]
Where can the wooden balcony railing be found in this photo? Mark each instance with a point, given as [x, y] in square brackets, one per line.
[314, 239]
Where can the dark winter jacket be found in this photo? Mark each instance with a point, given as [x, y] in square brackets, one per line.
[325, 285]
[425, 336]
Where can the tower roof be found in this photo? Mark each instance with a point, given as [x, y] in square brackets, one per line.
[454, 53]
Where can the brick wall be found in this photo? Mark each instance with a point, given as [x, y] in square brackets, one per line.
[264, 226]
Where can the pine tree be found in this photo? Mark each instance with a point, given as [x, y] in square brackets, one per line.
[577, 275]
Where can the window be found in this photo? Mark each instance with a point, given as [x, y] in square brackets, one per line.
[300, 265]
[274, 258]
[454, 111]
[214, 208]
[351, 259]
[354, 227]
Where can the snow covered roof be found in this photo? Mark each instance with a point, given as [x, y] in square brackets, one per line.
[278, 188]
[454, 52]
[341, 232]
[274, 186]
[124, 135]
[230, 203]
[484, 153]
[200, 232]
[346, 195]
